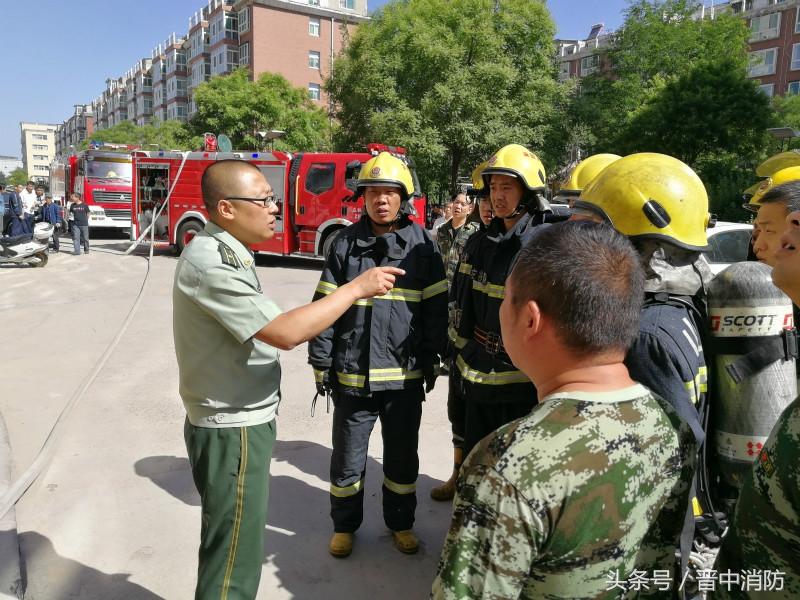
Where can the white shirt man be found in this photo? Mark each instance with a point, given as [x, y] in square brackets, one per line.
[28, 199]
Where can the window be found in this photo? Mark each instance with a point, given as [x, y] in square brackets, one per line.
[795, 57]
[797, 22]
[313, 91]
[39, 136]
[40, 157]
[590, 64]
[313, 59]
[313, 27]
[767, 88]
[729, 246]
[244, 54]
[233, 58]
[765, 27]
[794, 87]
[39, 147]
[244, 20]
[320, 177]
[41, 168]
[231, 26]
[348, 4]
[564, 70]
[762, 62]
[313, 2]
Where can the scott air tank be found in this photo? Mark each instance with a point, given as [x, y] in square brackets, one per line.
[753, 361]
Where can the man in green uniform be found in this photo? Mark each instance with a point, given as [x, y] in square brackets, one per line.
[591, 487]
[760, 557]
[226, 339]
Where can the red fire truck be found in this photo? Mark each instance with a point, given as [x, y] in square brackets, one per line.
[103, 178]
[315, 193]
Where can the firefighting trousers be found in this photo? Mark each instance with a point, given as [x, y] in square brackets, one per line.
[354, 417]
[230, 467]
[482, 418]
[456, 409]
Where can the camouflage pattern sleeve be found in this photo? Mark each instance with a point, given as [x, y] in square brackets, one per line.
[765, 534]
[492, 542]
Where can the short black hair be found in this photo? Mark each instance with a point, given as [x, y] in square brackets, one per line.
[786, 193]
[216, 180]
[77, 194]
[588, 279]
[30, 183]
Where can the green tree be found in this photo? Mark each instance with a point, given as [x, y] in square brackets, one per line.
[3, 178]
[170, 135]
[18, 177]
[452, 81]
[677, 84]
[238, 107]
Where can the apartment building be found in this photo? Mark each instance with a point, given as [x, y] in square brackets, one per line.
[297, 39]
[8, 164]
[774, 44]
[74, 130]
[38, 141]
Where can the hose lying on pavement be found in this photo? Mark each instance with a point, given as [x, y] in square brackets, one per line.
[31, 474]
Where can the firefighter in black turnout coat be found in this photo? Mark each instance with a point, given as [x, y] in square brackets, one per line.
[377, 356]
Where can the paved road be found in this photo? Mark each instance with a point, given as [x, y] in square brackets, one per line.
[115, 515]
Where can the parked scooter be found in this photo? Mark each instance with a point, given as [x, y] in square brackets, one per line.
[28, 248]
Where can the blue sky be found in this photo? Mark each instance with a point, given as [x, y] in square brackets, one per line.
[59, 53]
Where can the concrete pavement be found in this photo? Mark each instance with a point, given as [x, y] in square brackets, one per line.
[115, 515]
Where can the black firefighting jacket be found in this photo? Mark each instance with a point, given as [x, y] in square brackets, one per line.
[387, 342]
[476, 294]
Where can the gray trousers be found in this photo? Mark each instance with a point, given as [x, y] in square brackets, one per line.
[78, 232]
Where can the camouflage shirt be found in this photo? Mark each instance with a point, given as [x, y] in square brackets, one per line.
[451, 244]
[765, 534]
[551, 505]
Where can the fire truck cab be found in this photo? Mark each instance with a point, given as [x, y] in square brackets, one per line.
[315, 193]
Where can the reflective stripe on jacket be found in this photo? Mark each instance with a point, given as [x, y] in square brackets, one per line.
[386, 342]
[476, 293]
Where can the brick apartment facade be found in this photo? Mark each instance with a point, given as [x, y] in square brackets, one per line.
[74, 130]
[774, 44]
[297, 41]
[295, 38]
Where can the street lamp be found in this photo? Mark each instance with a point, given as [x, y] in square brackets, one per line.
[783, 134]
[270, 136]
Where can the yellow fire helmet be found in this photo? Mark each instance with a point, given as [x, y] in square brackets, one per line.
[779, 178]
[387, 170]
[751, 191]
[651, 195]
[478, 190]
[516, 161]
[778, 162]
[586, 171]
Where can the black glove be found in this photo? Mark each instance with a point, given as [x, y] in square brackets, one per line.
[430, 374]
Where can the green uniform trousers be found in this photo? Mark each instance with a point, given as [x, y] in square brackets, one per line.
[230, 467]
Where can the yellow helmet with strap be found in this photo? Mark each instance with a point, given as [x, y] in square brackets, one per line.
[651, 195]
[516, 161]
[779, 178]
[778, 162]
[386, 170]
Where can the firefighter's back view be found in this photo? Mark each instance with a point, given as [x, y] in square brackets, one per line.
[662, 206]
[377, 356]
[495, 392]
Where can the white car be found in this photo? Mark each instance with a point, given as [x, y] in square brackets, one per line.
[729, 243]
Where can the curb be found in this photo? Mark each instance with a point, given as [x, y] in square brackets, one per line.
[10, 575]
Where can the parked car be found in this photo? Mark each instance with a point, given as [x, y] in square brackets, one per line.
[729, 243]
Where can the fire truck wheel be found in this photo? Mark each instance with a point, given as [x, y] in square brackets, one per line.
[186, 232]
[328, 242]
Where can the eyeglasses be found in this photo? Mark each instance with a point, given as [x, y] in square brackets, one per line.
[264, 202]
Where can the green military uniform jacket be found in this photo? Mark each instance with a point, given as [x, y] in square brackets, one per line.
[227, 378]
[586, 485]
[451, 243]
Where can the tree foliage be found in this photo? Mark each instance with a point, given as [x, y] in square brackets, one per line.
[238, 107]
[678, 85]
[18, 177]
[169, 135]
[451, 80]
